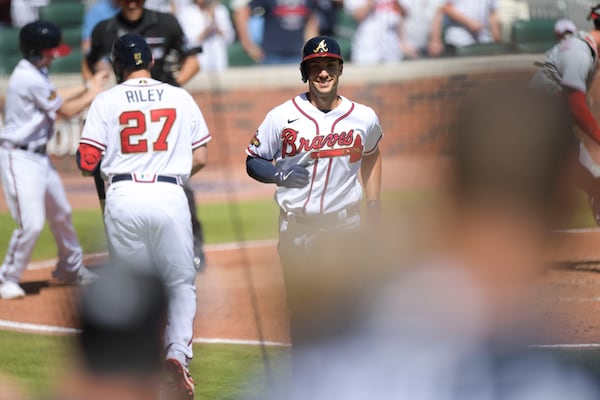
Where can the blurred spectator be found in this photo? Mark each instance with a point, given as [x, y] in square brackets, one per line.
[207, 24]
[458, 324]
[23, 12]
[165, 6]
[421, 28]
[377, 37]
[471, 22]
[286, 24]
[564, 27]
[120, 352]
[326, 13]
[99, 11]
[255, 22]
[5, 13]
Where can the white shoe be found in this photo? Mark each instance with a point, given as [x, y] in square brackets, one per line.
[82, 276]
[10, 290]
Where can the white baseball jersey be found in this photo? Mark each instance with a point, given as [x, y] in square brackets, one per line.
[331, 146]
[571, 62]
[32, 187]
[478, 10]
[149, 128]
[31, 105]
[156, 123]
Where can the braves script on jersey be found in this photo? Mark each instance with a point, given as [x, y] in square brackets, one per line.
[331, 146]
[157, 123]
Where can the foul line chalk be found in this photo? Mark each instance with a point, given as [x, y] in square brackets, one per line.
[567, 346]
[37, 328]
[240, 341]
[209, 248]
[23, 326]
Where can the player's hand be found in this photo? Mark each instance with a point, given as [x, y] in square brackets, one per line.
[295, 177]
[96, 84]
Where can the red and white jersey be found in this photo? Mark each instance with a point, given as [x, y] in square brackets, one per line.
[31, 106]
[145, 126]
[329, 144]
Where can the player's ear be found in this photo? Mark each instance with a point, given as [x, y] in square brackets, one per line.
[151, 63]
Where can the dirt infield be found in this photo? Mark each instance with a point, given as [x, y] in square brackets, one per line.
[241, 290]
[242, 294]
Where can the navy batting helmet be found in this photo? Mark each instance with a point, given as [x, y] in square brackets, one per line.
[319, 46]
[594, 15]
[130, 53]
[41, 38]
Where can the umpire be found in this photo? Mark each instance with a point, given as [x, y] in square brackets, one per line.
[162, 32]
[167, 42]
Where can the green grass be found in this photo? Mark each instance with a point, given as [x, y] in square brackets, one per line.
[230, 222]
[38, 362]
[257, 220]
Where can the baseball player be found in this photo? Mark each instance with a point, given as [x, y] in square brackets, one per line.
[31, 185]
[568, 70]
[313, 148]
[153, 136]
[167, 42]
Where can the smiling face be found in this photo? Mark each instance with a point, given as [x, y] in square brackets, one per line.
[323, 75]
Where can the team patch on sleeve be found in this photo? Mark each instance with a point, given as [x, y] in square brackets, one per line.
[52, 95]
[254, 141]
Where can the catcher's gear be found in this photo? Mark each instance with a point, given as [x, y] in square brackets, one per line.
[594, 15]
[294, 177]
[130, 53]
[40, 38]
[319, 46]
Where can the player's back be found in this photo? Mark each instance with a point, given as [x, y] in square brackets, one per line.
[150, 128]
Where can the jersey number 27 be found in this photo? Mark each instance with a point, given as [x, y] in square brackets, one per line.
[134, 123]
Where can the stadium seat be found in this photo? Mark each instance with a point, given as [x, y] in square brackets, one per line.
[237, 56]
[346, 45]
[533, 36]
[72, 36]
[345, 26]
[534, 48]
[10, 54]
[68, 64]
[63, 14]
[484, 49]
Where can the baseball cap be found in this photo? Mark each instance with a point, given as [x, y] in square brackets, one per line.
[563, 26]
[321, 46]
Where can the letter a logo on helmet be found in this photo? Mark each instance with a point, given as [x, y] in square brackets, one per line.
[321, 48]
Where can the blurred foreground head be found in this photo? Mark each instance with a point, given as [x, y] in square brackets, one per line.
[122, 317]
[512, 151]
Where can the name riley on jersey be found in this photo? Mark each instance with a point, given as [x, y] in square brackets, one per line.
[142, 96]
